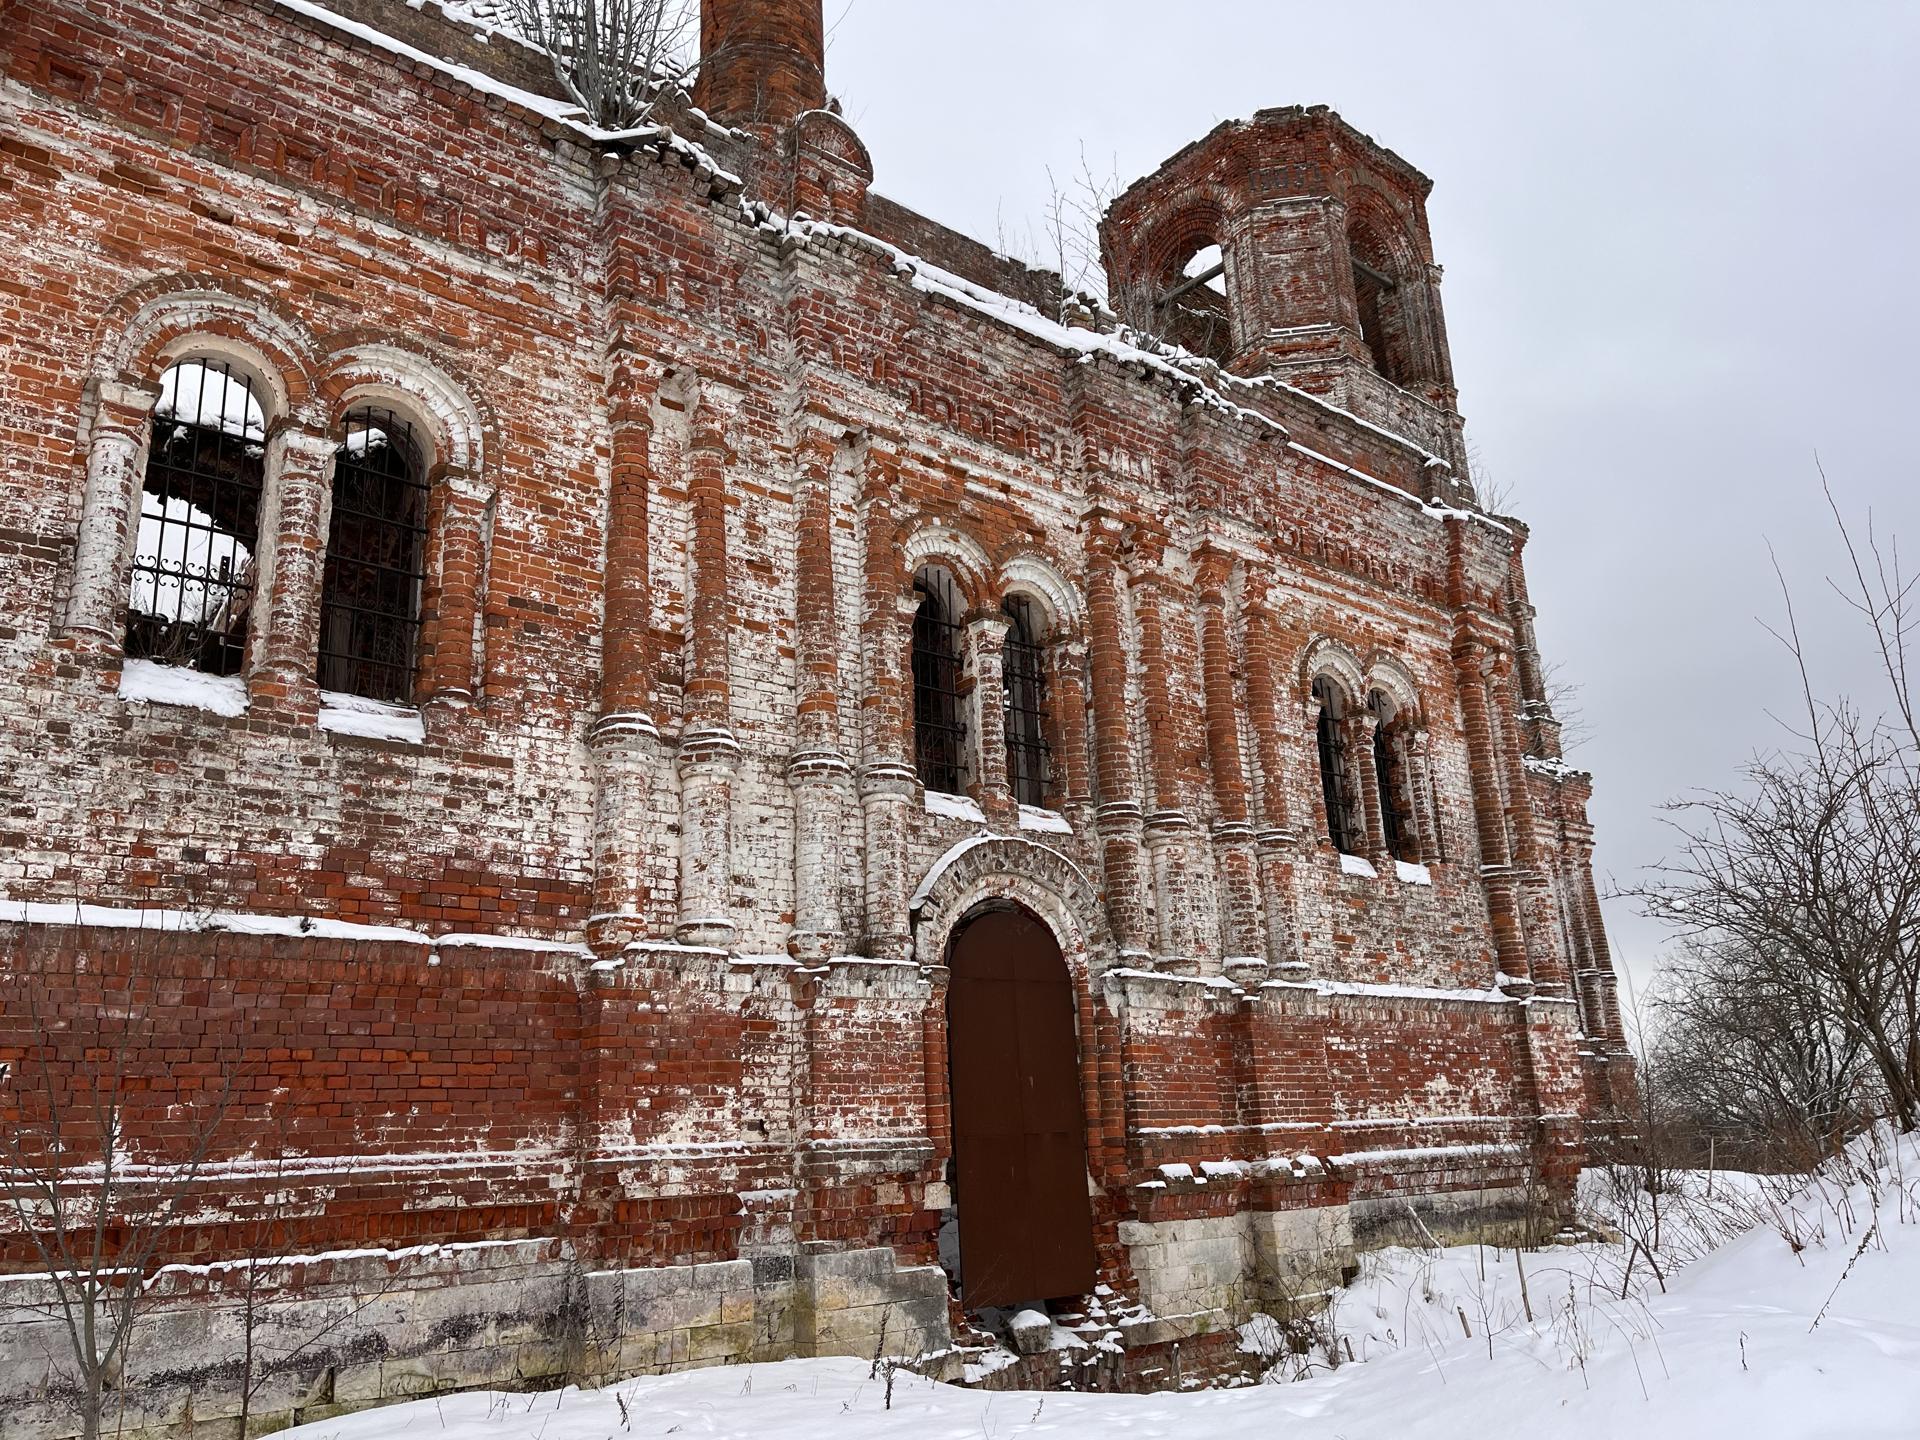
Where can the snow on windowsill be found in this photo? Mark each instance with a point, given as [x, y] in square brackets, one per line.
[1410, 874]
[954, 807]
[1032, 817]
[345, 714]
[159, 684]
[1357, 865]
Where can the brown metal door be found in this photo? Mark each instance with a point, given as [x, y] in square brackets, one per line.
[1019, 1133]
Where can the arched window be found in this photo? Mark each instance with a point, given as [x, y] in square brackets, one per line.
[1029, 760]
[1336, 782]
[1395, 779]
[939, 729]
[376, 549]
[1384, 302]
[1192, 307]
[193, 561]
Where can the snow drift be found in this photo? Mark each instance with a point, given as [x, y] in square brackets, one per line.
[1806, 1324]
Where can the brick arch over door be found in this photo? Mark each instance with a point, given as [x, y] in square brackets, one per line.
[1041, 880]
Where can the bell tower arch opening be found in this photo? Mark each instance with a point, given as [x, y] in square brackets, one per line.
[1388, 301]
[1019, 1124]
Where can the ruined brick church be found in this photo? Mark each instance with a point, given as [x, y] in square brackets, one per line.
[708, 769]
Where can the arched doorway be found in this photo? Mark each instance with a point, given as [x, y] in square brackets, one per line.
[1019, 1129]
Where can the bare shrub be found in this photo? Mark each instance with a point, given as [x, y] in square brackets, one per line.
[1800, 892]
[615, 58]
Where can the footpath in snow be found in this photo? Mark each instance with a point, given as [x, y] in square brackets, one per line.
[1805, 1325]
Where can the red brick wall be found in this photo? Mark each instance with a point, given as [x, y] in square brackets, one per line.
[624, 317]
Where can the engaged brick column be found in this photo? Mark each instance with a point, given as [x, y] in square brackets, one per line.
[1117, 815]
[293, 545]
[1232, 831]
[1606, 985]
[1067, 729]
[110, 515]
[624, 741]
[1426, 816]
[1544, 962]
[1363, 729]
[709, 754]
[1496, 869]
[1536, 712]
[457, 528]
[1587, 979]
[986, 715]
[1169, 829]
[887, 778]
[818, 771]
[1277, 841]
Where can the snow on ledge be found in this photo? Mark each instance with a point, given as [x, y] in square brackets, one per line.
[1411, 874]
[346, 714]
[1363, 991]
[1032, 817]
[954, 807]
[157, 684]
[117, 917]
[1425, 1155]
[1357, 865]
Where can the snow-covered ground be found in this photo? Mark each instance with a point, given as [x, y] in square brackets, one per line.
[1805, 1325]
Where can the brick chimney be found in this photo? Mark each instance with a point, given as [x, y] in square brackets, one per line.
[763, 62]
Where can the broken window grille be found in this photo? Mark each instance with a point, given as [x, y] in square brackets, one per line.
[1029, 758]
[1336, 791]
[192, 582]
[376, 561]
[939, 728]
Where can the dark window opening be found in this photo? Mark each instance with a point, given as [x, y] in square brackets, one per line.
[1029, 759]
[1336, 790]
[1192, 309]
[1383, 304]
[193, 564]
[939, 728]
[376, 561]
[1395, 781]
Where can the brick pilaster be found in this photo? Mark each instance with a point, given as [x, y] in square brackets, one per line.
[709, 754]
[818, 771]
[285, 628]
[886, 768]
[1117, 814]
[1169, 828]
[457, 529]
[1233, 836]
[1496, 868]
[1276, 841]
[110, 514]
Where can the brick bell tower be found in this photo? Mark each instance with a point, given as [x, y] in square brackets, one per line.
[763, 62]
[1294, 246]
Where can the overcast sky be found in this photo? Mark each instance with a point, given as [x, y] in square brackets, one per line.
[1681, 258]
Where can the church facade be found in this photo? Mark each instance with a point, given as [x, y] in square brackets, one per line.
[648, 758]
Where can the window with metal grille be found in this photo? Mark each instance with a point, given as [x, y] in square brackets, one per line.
[1336, 791]
[193, 572]
[376, 560]
[939, 729]
[1390, 768]
[1024, 667]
